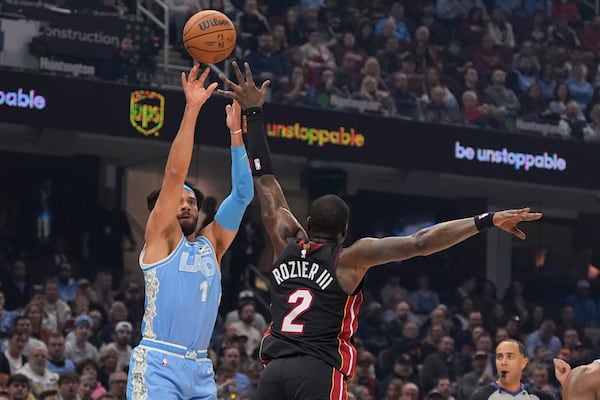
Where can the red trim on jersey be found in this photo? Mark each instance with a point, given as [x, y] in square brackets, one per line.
[338, 386]
[349, 326]
[267, 333]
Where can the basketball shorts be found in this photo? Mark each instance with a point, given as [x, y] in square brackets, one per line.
[157, 375]
[301, 378]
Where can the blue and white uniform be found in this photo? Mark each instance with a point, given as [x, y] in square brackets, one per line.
[183, 292]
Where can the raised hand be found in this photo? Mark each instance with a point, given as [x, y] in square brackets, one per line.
[245, 91]
[507, 220]
[234, 116]
[193, 86]
[561, 370]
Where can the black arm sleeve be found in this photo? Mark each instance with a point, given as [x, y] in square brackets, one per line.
[258, 148]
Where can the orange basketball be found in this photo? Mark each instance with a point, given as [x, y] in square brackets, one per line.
[209, 36]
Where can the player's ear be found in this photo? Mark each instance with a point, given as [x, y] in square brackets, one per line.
[308, 224]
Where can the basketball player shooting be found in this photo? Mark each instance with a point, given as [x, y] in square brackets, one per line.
[315, 281]
[181, 269]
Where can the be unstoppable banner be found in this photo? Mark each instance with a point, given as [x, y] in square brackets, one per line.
[150, 114]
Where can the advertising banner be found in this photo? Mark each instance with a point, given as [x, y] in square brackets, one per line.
[154, 114]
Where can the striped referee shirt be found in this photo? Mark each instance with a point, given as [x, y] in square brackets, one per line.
[495, 392]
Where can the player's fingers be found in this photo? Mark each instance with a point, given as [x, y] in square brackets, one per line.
[237, 72]
[228, 108]
[193, 73]
[236, 105]
[211, 88]
[249, 78]
[204, 75]
[227, 93]
[265, 85]
[519, 233]
[227, 82]
[183, 79]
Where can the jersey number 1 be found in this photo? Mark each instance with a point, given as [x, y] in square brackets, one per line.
[302, 298]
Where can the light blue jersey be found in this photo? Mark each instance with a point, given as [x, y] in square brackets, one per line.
[183, 293]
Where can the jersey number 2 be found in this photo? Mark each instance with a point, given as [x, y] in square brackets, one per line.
[302, 298]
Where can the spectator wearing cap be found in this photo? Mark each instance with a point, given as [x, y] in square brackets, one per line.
[585, 308]
[244, 327]
[402, 369]
[122, 344]
[36, 369]
[57, 361]
[18, 387]
[544, 336]
[80, 348]
[480, 375]
[246, 296]
[513, 327]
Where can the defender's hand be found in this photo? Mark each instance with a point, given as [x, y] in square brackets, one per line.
[507, 220]
[245, 91]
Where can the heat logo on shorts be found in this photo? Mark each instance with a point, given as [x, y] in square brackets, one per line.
[316, 136]
[147, 111]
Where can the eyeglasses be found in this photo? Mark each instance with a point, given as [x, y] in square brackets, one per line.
[123, 381]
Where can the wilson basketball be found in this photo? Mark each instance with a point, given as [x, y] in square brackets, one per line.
[209, 36]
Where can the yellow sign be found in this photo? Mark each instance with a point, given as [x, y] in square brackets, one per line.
[147, 111]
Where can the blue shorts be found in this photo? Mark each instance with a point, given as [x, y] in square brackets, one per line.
[157, 375]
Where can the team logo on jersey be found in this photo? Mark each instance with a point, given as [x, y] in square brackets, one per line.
[305, 247]
[147, 111]
[191, 262]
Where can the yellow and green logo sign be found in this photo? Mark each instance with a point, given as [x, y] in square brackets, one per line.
[147, 111]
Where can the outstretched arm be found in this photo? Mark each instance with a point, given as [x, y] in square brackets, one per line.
[162, 230]
[223, 229]
[279, 222]
[369, 252]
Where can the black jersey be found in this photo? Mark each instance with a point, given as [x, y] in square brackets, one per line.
[495, 392]
[311, 313]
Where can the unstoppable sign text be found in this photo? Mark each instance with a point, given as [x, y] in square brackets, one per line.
[525, 161]
[315, 136]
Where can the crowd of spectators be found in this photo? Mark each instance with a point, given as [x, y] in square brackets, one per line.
[514, 65]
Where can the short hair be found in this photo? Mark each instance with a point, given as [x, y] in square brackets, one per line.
[47, 393]
[329, 215]
[18, 378]
[67, 377]
[84, 363]
[153, 197]
[521, 346]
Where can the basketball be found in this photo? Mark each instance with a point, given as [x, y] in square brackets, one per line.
[209, 36]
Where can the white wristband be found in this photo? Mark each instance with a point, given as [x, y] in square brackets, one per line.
[236, 132]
